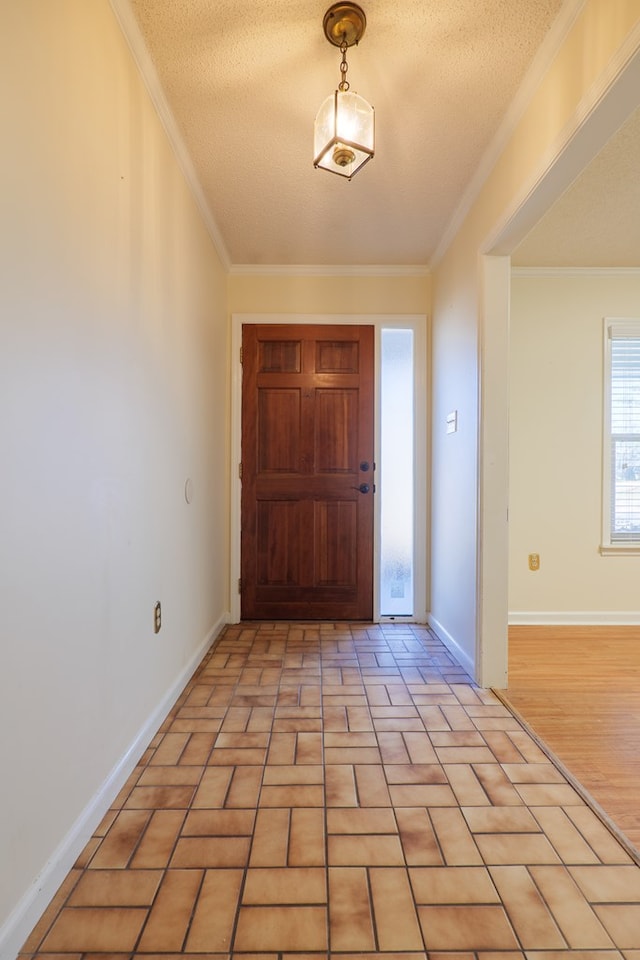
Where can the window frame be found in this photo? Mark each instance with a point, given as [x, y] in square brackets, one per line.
[614, 328]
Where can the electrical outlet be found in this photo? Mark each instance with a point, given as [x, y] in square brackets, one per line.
[157, 617]
[534, 561]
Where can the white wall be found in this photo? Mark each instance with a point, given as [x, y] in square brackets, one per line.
[113, 386]
[556, 422]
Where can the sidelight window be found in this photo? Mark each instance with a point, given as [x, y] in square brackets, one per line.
[397, 473]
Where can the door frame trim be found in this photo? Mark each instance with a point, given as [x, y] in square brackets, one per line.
[415, 322]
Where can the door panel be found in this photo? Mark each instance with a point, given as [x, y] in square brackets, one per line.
[336, 550]
[307, 428]
[279, 530]
[278, 450]
[336, 432]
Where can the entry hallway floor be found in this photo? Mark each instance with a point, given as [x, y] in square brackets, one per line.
[344, 789]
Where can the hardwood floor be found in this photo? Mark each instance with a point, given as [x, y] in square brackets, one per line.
[578, 689]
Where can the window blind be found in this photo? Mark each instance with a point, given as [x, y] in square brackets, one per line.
[624, 436]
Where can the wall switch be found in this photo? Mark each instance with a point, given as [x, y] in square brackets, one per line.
[534, 561]
[157, 617]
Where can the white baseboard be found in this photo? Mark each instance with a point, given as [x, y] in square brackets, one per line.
[587, 618]
[453, 646]
[32, 905]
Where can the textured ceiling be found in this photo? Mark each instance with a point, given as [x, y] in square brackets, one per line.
[596, 222]
[243, 81]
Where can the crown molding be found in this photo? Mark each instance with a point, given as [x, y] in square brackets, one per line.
[539, 65]
[135, 41]
[327, 270]
[564, 272]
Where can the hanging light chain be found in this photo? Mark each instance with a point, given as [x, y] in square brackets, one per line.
[343, 86]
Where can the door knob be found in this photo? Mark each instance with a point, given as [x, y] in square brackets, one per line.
[363, 488]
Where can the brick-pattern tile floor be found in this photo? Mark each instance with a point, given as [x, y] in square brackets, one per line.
[344, 789]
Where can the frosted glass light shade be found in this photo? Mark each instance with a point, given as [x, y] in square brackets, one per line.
[343, 134]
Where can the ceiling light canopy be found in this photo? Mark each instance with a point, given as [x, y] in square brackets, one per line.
[344, 125]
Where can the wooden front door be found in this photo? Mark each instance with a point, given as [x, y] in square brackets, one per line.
[307, 472]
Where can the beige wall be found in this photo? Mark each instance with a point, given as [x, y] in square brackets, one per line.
[555, 450]
[114, 385]
[329, 294]
[575, 108]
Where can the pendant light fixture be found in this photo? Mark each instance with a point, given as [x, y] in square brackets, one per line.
[344, 126]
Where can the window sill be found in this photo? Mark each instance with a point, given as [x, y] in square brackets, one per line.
[620, 549]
